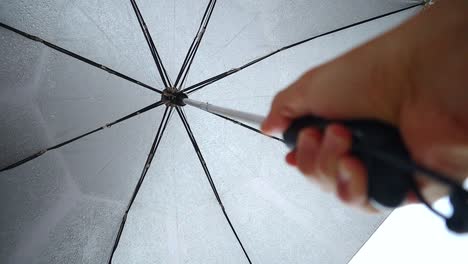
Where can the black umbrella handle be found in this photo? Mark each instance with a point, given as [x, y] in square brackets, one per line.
[388, 185]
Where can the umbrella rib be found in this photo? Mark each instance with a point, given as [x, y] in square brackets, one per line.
[185, 68]
[154, 52]
[209, 178]
[247, 126]
[78, 57]
[42, 152]
[162, 127]
[200, 85]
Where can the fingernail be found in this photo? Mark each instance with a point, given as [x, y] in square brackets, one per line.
[264, 127]
[344, 179]
[344, 175]
[272, 131]
[269, 130]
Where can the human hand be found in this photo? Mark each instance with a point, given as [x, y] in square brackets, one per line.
[413, 77]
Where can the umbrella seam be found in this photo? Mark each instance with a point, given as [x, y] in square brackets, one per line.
[154, 52]
[202, 84]
[149, 160]
[195, 44]
[78, 57]
[210, 179]
[43, 151]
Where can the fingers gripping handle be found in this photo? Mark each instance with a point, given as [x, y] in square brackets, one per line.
[387, 185]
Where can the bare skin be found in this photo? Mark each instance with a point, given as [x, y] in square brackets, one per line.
[414, 77]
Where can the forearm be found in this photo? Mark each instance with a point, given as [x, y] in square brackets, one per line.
[437, 40]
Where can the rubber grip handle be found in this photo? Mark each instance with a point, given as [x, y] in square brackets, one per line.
[388, 185]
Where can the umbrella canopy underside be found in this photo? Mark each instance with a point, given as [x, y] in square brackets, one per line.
[95, 169]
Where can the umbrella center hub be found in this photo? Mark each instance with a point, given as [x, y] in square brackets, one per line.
[173, 97]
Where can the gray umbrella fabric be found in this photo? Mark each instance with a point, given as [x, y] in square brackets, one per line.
[96, 169]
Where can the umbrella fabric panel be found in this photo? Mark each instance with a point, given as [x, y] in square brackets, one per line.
[108, 165]
[67, 205]
[48, 97]
[173, 25]
[176, 218]
[103, 31]
[80, 235]
[241, 31]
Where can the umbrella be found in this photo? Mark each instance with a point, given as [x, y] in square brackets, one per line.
[96, 168]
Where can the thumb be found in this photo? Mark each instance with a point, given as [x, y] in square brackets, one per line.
[287, 105]
[356, 85]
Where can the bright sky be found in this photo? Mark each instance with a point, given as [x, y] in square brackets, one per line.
[412, 234]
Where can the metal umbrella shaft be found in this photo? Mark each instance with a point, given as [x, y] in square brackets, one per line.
[231, 113]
